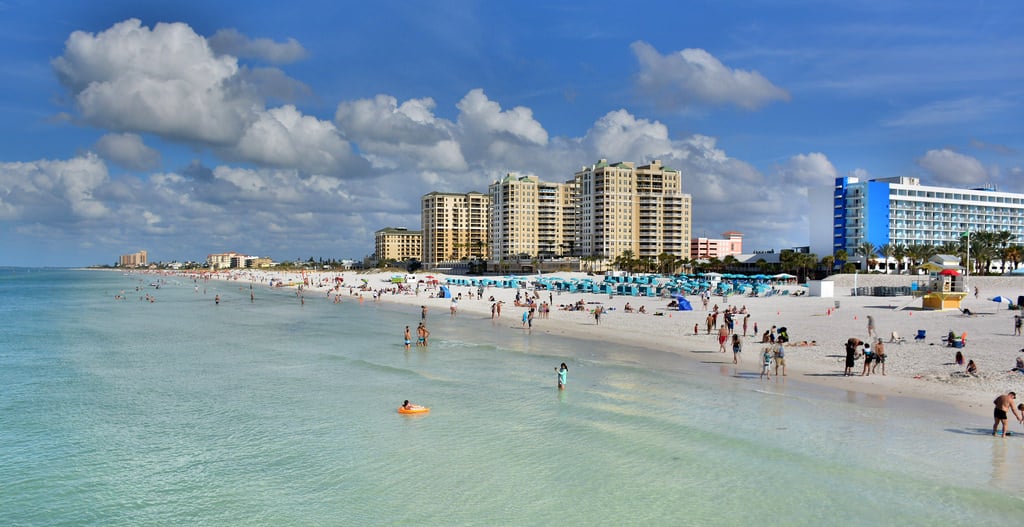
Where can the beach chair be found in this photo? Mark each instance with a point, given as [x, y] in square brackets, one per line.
[919, 336]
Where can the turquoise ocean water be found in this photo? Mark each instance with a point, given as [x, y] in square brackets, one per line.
[182, 412]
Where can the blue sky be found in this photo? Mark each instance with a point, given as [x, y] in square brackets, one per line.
[298, 130]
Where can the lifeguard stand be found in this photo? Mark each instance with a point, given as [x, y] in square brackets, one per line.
[943, 290]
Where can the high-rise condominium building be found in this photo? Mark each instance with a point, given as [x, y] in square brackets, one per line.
[454, 226]
[530, 218]
[622, 207]
[139, 259]
[901, 211]
[398, 243]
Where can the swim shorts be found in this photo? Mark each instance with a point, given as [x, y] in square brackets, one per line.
[1000, 413]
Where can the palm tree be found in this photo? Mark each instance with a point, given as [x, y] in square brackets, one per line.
[730, 261]
[1011, 254]
[886, 251]
[868, 251]
[900, 253]
[624, 261]
[828, 262]
[665, 262]
[841, 257]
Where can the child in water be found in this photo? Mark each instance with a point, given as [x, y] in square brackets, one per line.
[766, 357]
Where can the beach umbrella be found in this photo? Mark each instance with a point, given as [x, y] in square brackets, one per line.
[1001, 300]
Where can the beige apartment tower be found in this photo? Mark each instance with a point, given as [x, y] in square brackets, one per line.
[398, 244]
[139, 259]
[454, 226]
[530, 218]
[622, 207]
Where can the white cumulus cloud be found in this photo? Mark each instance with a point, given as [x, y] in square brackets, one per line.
[230, 42]
[812, 169]
[953, 168]
[695, 77]
[128, 150]
[284, 137]
[164, 80]
[53, 190]
[396, 135]
[480, 115]
[169, 81]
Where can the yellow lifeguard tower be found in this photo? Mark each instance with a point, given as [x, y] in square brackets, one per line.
[943, 290]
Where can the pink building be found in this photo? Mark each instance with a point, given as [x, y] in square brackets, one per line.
[707, 248]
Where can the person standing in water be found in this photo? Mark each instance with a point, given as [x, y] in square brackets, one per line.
[563, 373]
[408, 338]
[1004, 403]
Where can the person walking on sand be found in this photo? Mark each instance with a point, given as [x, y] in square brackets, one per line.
[597, 315]
[563, 374]
[737, 348]
[1004, 403]
[1016, 325]
[871, 327]
[780, 359]
[723, 336]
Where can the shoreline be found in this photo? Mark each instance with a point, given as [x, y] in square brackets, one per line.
[922, 370]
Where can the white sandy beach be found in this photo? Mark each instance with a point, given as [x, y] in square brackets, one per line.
[915, 368]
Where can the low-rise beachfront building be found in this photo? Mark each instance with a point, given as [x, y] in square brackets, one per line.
[901, 211]
[136, 259]
[398, 244]
[233, 260]
[622, 207]
[731, 244]
[454, 226]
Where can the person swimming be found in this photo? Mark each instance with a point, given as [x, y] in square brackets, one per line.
[409, 406]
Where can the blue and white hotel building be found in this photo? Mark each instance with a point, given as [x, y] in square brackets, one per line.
[901, 211]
